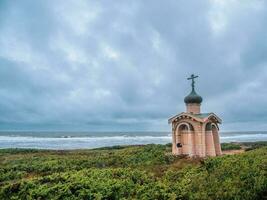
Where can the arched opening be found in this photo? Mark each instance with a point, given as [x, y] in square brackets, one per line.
[216, 140]
[184, 139]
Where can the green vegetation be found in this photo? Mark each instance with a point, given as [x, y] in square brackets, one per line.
[134, 172]
[254, 145]
[230, 146]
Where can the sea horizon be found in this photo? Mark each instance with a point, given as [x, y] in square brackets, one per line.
[67, 140]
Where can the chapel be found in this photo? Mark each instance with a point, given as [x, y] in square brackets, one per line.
[195, 133]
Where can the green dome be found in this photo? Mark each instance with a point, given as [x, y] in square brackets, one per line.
[193, 97]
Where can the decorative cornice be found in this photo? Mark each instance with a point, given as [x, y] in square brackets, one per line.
[194, 117]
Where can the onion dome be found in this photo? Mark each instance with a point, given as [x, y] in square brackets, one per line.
[193, 97]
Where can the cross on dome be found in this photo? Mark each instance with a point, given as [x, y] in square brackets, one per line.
[192, 77]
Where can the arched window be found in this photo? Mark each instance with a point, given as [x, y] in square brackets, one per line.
[183, 127]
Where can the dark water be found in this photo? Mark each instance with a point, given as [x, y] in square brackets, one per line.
[82, 140]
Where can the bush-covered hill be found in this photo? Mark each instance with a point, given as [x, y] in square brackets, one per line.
[135, 172]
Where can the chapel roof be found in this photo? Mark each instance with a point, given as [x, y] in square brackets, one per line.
[202, 117]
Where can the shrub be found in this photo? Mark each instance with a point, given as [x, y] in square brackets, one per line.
[135, 172]
[230, 146]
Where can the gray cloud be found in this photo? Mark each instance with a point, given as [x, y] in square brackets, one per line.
[92, 65]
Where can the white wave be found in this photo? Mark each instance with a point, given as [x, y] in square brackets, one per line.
[78, 142]
[244, 138]
[105, 141]
[258, 135]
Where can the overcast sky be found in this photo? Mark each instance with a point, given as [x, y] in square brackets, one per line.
[122, 65]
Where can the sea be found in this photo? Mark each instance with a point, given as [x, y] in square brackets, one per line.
[90, 140]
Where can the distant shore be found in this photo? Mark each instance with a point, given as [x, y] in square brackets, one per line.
[228, 148]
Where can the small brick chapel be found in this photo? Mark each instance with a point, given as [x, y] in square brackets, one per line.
[195, 133]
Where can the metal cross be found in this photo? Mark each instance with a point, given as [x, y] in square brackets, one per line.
[192, 77]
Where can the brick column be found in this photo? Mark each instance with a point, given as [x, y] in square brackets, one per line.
[210, 148]
[216, 139]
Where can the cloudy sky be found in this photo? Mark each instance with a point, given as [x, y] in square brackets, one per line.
[122, 65]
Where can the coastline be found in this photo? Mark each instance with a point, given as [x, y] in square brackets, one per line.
[88, 140]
